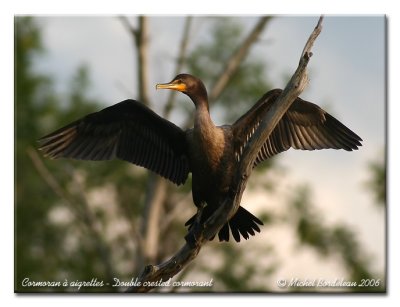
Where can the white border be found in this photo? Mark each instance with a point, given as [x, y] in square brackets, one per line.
[7, 11]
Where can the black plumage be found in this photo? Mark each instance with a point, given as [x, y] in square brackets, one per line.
[130, 131]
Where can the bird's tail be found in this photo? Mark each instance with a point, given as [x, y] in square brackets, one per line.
[242, 223]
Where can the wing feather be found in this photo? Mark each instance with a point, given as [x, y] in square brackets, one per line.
[127, 131]
[304, 126]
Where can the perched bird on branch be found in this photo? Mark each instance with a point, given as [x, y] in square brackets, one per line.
[132, 132]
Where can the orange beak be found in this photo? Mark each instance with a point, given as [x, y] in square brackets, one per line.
[174, 85]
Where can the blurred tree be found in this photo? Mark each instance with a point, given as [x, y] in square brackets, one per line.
[35, 237]
[332, 241]
[81, 220]
[49, 222]
[208, 61]
[377, 182]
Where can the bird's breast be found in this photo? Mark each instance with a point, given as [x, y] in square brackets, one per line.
[212, 160]
[209, 148]
[212, 164]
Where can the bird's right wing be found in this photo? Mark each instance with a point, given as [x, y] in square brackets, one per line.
[128, 131]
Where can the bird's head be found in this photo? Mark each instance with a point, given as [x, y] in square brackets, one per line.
[187, 84]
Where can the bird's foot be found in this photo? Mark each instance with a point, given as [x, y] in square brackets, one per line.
[193, 237]
[199, 214]
[195, 230]
[191, 240]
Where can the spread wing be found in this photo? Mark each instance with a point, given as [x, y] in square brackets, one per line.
[304, 126]
[128, 131]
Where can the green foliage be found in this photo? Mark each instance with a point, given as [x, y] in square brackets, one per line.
[238, 271]
[377, 182]
[73, 237]
[247, 85]
[331, 241]
[42, 248]
[209, 58]
[310, 229]
[34, 234]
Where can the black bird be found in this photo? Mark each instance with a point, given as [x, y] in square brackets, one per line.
[130, 131]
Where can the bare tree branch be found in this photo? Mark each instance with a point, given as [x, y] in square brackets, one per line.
[126, 23]
[153, 205]
[237, 57]
[140, 39]
[178, 208]
[82, 211]
[233, 62]
[143, 63]
[179, 64]
[46, 175]
[156, 188]
[162, 272]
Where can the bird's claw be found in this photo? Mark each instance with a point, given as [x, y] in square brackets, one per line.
[192, 238]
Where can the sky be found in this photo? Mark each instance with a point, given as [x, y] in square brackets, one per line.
[8, 9]
[347, 77]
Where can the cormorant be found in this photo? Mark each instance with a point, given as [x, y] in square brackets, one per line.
[131, 131]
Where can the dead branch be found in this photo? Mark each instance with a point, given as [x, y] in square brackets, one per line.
[179, 64]
[164, 271]
[143, 63]
[46, 175]
[82, 211]
[179, 207]
[156, 188]
[233, 62]
[140, 39]
[153, 207]
[236, 58]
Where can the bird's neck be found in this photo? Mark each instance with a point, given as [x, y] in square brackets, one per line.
[209, 141]
[206, 133]
[203, 122]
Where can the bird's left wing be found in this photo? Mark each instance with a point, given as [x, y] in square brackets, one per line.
[128, 131]
[304, 126]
